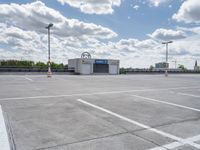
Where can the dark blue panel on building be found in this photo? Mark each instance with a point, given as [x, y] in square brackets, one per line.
[101, 61]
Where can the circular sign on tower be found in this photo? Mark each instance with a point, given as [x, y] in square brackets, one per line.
[86, 55]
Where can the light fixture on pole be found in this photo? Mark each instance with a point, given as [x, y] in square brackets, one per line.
[49, 73]
[166, 66]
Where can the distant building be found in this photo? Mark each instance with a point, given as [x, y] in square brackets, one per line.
[86, 65]
[161, 65]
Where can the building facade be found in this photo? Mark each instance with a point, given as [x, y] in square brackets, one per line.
[87, 66]
[162, 65]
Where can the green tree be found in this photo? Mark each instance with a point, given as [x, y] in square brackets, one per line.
[122, 71]
[16, 63]
[182, 67]
[26, 63]
[41, 65]
[151, 68]
[198, 68]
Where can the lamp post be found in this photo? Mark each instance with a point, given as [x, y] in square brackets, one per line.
[166, 67]
[49, 73]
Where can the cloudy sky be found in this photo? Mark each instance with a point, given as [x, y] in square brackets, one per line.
[129, 30]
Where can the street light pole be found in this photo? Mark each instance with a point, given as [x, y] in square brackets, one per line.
[166, 67]
[49, 73]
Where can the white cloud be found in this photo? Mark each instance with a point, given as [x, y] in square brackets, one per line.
[22, 35]
[194, 30]
[167, 34]
[170, 6]
[143, 53]
[136, 7]
[35, 16]
[189, 12]
[93, 6]
[131, 52]
[157, 3]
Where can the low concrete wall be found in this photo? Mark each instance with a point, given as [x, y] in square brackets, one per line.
[152, 72]
[35, 73]
[32, 71]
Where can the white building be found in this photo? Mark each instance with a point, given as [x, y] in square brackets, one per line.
[86, 66]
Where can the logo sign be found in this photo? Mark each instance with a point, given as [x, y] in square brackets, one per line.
[100, 61]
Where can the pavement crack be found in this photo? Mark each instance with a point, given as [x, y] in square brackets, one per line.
[167, 124]
[82, 141]
[148, 140]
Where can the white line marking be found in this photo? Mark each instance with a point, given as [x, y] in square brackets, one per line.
[168, 146]
[158, 148]
[4, 143]
[191, 95]
[176, 144]
[97, 93]
[173, 145]
[178, 139]
[194, 139]
[129, 120]
[25, 77]
[28, 78]
[168, 103]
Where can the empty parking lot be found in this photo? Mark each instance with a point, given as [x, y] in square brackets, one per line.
[125, 112]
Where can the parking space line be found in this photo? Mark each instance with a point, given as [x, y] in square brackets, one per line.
[29, 79]
[97, 93]
[178, 139]
[191, 95]
[177, 144]
[194, 139]
[4, 143]
[168, 146]
[168, 103]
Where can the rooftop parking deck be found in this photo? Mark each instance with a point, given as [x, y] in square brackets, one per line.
[124, 112]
